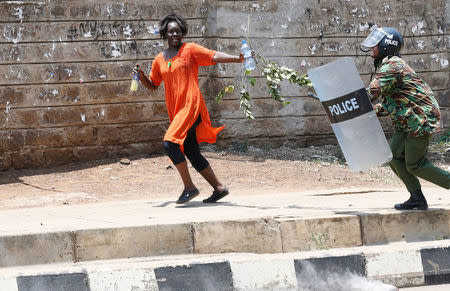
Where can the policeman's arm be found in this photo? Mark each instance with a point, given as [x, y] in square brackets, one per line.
[375, 89]
[379, 110]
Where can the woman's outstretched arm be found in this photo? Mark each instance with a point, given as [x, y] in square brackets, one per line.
[221, 57]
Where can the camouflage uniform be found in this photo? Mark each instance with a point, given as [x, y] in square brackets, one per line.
[407, 99]
[415, 113]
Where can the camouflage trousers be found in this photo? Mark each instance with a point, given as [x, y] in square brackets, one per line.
[409, 162]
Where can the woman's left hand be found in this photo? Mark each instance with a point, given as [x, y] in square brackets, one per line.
[241, 58]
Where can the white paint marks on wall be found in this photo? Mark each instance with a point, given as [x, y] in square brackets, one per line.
[443, 62]
[152, 29]
[420, 62]
[363, 13]
[88, 34]
[418, 28]
[12, 33]
[115, 52]
[127, 31]
[49, 54]
[222, 71]
[50, 76]
[19, 13]
[364, 27]
[435, 57]
[69, 72]
[313, 49]
[420, 44]
[108, 10]
[337, 20]
[7, 110]
[101, 114]
[158, 44]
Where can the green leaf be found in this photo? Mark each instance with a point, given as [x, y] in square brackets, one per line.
[229, 89]
[220, 95]
[253, 81]
[248, 72]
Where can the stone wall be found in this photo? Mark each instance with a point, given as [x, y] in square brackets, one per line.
[65, 69]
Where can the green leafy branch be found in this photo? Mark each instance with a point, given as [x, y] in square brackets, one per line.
[274, 75]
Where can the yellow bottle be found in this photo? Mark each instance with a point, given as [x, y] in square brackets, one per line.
[135, 83]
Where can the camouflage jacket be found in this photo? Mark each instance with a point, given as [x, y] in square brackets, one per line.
[405, 97]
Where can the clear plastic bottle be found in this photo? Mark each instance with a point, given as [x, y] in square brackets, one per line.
[249, 62]
[135, 82]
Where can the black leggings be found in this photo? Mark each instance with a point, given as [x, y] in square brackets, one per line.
[191, 150]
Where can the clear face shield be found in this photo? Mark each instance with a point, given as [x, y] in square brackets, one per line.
[373, 39]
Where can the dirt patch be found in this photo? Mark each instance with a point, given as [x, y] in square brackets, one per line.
[245, 169]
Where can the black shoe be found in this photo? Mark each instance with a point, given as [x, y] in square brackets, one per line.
[416, 201]
[187, 195]
[216, 196]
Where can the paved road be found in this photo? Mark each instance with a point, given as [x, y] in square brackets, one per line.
[429, 288]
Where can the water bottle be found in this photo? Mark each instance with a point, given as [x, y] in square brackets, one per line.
[348, 107]
[249, 61]
[135, 81]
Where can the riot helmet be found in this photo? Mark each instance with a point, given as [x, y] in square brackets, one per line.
[388, 39]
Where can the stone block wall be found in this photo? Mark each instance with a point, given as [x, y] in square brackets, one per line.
[65, 69]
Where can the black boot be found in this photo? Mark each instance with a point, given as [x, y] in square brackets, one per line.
[416, 201]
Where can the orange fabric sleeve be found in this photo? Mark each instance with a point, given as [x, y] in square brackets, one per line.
[155, 73]
[201, 55]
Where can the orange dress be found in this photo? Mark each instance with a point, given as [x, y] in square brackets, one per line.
[183, 98]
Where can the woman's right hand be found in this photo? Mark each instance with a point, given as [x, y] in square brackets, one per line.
[143, 79]
[137, 70]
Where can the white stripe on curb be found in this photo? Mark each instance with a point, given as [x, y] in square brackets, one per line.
[130, 279]
[398, 267]
[264, 275]
[408, 261]
[8, 284]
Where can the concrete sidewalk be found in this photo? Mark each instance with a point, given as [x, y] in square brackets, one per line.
[282, 224]
[160, 212]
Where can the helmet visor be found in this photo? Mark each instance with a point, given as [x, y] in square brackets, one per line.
[373, 39]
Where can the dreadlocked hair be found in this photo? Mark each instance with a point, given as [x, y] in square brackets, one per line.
[172, 17]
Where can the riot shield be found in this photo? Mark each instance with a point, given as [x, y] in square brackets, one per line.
[354, 122]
